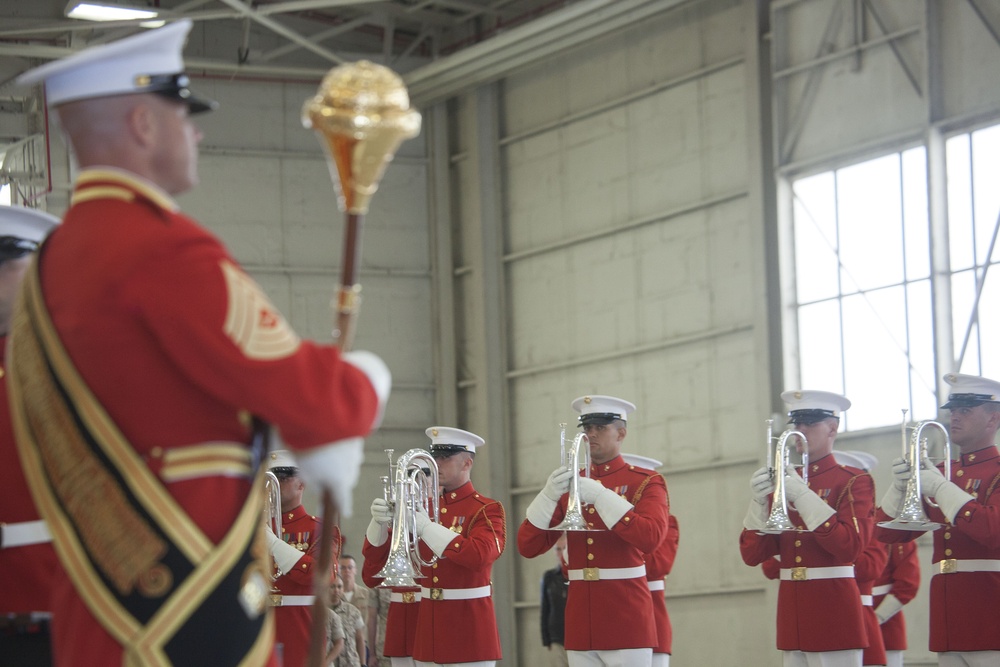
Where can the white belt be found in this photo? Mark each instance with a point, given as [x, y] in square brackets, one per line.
[953, 565]
[810, 573]
[866, 600]
[24, 533]
[456, 593]
[884, 589]
[598, 573]
[292, 600]
[655, 585]
[408, 596]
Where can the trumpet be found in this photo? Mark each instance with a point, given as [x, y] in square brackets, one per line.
[574, 519]
[778, 521]
[911, 515]
[272, 506]
[410, 491]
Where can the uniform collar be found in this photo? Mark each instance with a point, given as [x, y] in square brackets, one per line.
[984, 454]
[461, 493]
[607, 468]
[819, 466]
[295, 514]
[93, 181]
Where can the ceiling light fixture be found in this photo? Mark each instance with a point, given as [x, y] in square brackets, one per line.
[107, 10]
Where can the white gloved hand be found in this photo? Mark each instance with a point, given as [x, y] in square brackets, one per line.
[813, 509]
[610, 506]
[795, 487]
[335, 467]
[434, 535]
[420, 521]
[756, 516]
[762, 485]
[893, 499]
[887, 608]
[285, 555]
[591, 490]
[378, 375]
[558, 483]
[382, 511]
[931, 479]
[949, 497]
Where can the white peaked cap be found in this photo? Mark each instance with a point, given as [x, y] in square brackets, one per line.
[821, 404]
[971, 390]
[140, 63]
[602, 409]
[855, 459]
[445, 439]
[281, 458]
[26, 223]
[640, 461]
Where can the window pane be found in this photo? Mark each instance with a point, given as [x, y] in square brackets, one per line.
[875, 365]
[870, 217]
[963, 295]
[986, 188]
[918, 257]
[959, 202]
[921, 332]
[815, 238]
[819, 346]
[989, 324]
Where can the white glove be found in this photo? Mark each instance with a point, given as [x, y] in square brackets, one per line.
[591, 490]
[893, 499]
[434, 535]
[558, 483]
[381, 511]
[887, 608]
[947, 495]
[378, 375]
[756, 516]
[610, 506]
[334, 467]
[795, 488]
[813, 510]
[285, 555]
[761, 485]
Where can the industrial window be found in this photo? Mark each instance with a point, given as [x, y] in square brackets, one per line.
[863, 307]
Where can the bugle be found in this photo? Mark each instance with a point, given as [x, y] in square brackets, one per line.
[412, 490]
[574, 519]
[778, 521]
[272, 507]
[910, 515]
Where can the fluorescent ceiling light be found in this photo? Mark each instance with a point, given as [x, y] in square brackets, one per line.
[106, 11]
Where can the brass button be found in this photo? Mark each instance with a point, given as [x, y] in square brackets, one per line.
[627, 519]
[972, 457]
[434, 566]
[947, 536]
[590, 556]
[798, 543]
[591, 510]
[444, 510]
[798, 559]
[453, 494]
[967, 513]
[826, 524]
[960, 473]
[435, 580]
[947, 552]
[590, 540]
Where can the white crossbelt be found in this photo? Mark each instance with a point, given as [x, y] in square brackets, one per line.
[409, 596]
[655, 585]
[599, 573]
[456, 593]
[292, 600]
[884, 589]
[24, 533]
[953, 565]
[866, 600]
[811, 573]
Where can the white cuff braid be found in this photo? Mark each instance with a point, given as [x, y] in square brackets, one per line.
[540, 511]
[756, 516]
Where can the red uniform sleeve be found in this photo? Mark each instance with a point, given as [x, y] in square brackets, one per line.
[871, 562]
[845, 534]
[375, 559]
[671, 543]
[771, 568]
[756, 549]
[906, 571]
[979, 521]
[645, 525]
[484, 541]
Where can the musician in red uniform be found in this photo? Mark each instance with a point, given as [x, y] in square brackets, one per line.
[895, 587]
[965, 583]
[658, 566]
[142, 357]
[27, 559]
[294, 556]
[609, 610]
[820, 616]
[404, 601]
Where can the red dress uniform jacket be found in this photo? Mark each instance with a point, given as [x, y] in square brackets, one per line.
[180, 347]
[462, 630]
[822, 614]
[869, 567]
[401, 622]
[963, 604]
[293, 624]
[901, 577]
[25, 571]
[609, 614]
[658, 566]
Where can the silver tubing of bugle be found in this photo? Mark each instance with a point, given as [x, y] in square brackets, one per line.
[562, 445]
[767, 446]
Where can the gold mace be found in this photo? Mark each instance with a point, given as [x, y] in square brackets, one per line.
[362, 114]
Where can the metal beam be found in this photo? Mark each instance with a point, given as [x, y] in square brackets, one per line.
[274, 26]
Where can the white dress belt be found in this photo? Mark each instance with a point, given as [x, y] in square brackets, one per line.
[456, 593]
[599, 573]
[866, 600]
[24, 533]
[409, 596]
[292, 600]
[953, 565]
[655, 584]
[811, 573]
[884, 589]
